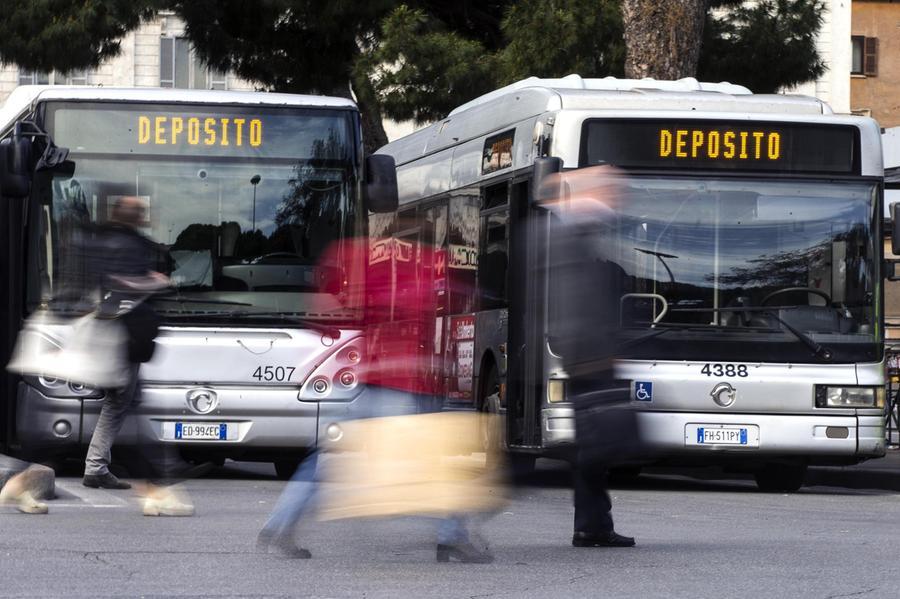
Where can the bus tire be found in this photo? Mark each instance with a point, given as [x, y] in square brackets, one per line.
[780, 478]
[624, 475]
[521, 464]
[285, 468]
[492, 430]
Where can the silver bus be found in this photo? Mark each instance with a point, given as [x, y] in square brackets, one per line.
[749, 241]
[244, 191]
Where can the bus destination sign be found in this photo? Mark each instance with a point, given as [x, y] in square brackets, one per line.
[207, 131]
[164, 129]
[716, 145]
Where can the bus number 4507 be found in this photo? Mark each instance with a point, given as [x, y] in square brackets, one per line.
[725, 370]
[273, 373]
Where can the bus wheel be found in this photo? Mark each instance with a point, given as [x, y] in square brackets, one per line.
[780, 477]
[624, 475]
[285, 469]
[521, 464]
[492, 430]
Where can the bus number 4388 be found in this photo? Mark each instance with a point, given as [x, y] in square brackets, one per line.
[725, 370]
[273, 373]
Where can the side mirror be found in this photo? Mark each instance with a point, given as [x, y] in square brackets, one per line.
[895, 228]
[381, 183]
[15, 158]
[543, 168]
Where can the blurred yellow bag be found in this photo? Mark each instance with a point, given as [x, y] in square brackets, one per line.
[423, 464]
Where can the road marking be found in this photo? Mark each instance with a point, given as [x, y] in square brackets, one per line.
[92, 497]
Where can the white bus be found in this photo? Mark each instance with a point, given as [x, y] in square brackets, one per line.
[749, 245]
[244, 191]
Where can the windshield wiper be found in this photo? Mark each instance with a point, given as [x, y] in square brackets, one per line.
[325, 329]
[818, 350]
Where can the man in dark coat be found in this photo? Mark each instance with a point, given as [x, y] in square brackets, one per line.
[584, 325]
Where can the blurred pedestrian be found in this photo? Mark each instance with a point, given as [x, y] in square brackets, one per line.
[584, 328]
[397, 381]
[20, 491]
[124, 263]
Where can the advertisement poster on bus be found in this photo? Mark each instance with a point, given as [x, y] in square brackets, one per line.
[461, 354]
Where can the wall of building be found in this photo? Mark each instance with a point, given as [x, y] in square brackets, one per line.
[879, 94]
[834, 46]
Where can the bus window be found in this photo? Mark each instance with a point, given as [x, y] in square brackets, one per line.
[463, 253]
[493, 260]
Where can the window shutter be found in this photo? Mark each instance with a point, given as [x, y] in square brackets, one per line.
[870, 66]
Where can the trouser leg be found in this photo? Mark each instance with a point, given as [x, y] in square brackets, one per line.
[294, 499]
[112, 415]
[592, 504]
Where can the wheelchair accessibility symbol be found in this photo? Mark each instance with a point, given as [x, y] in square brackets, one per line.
[643, 391]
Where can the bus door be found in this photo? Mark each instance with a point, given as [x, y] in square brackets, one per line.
[11, 261]
[527, 319]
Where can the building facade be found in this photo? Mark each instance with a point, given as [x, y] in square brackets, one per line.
[156, 54]
[834, 46]
[875, 67]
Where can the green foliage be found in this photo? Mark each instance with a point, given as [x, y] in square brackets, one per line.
[426, 63]
[765, 46]
[421, 70]
[553, 38]
[287, 45]
[62, 35]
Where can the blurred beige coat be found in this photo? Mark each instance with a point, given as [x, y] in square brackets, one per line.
[423, 464]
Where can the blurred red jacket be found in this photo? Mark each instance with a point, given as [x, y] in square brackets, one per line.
[387, 282]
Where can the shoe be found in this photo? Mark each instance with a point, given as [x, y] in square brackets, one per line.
[104, 481]
[282, 544]
[466, 553]
[167, 503]
[608, 539]
[16, 494]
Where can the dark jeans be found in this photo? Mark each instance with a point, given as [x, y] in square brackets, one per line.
[592, 504]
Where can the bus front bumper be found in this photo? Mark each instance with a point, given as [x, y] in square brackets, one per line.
[823, 439]
[257, 420]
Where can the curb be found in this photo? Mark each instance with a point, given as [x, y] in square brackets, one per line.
[43, 480]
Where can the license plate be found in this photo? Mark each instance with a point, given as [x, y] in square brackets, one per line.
[201, 431]
[722, 434]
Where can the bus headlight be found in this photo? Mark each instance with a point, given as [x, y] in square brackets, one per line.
[849, 397]
[556, 390]
[338, 377]
[59, 389]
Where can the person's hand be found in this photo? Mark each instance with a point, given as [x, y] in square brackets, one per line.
[153, 281]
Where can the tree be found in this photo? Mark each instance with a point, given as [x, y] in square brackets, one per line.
[300, 46]
[780, 34]
[427, 63]
[663, 37]
[303, 46]
[63, 35]
[435, 64]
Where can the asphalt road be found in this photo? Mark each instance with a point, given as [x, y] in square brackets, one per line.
[695, 539]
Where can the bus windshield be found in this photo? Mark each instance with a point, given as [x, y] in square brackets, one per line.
[737, 268]
[241, 200]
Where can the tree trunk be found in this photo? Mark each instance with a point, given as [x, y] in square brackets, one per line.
[663, 37]
[369, 111]
[373, 131]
